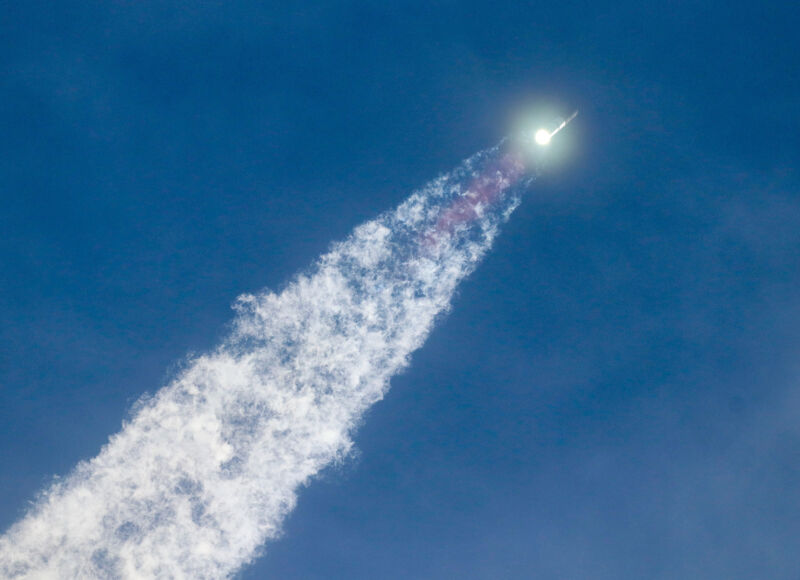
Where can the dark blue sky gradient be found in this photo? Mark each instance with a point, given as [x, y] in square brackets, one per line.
[615, 393]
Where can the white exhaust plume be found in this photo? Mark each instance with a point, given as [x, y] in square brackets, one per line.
[206, 470]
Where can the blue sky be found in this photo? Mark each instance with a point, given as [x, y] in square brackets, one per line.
[614, 394]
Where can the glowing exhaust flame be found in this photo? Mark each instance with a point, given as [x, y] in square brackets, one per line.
[542, 137]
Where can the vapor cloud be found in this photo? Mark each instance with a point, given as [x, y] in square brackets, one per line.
[206, 470]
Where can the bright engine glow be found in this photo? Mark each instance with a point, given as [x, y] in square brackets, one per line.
[542, 137]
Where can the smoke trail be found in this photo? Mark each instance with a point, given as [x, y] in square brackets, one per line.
[206, 470]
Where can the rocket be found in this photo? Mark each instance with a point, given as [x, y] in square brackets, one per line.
[513, 165]
[543, 136]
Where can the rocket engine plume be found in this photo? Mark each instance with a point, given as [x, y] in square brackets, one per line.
[205, 471]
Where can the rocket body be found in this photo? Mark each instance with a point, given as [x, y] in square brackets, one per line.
[563, 123]
[543, 136]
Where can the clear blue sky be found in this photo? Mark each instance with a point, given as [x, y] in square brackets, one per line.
[615, 393]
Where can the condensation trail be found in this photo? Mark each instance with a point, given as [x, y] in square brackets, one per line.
[206, 470]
